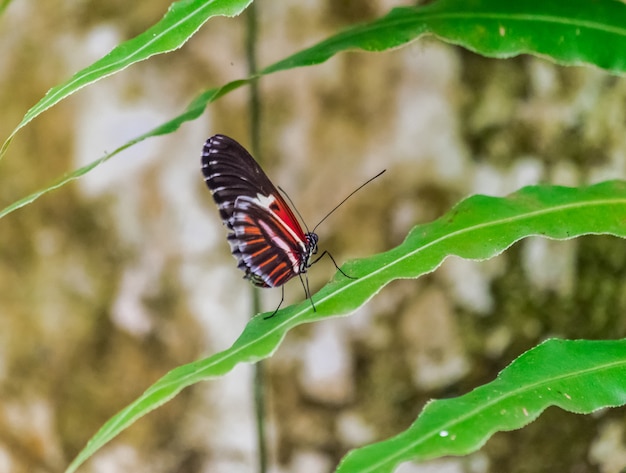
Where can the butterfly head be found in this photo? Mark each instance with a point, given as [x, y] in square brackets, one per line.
[311, 249]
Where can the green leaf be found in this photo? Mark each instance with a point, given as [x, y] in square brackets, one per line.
[477, 228]
[180, 22]
[569, 32]
[194, 110]
[578, 376]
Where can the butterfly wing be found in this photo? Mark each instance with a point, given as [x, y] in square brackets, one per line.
[265, 237]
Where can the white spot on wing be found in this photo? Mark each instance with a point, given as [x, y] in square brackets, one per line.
[265, 200]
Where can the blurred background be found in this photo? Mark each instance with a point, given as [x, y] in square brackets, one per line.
[110, 282]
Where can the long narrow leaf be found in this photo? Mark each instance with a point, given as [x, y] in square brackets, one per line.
[194, 110]
[478, 228]
[569, 32]
[180, 22]
[556, 373]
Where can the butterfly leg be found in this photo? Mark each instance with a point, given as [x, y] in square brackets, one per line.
[282, 298]
[334, 262]
[307, 290]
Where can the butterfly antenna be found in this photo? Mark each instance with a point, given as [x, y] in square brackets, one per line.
[294, 207]
[350, 195]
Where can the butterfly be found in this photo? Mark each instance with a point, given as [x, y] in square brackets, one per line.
[264, 235]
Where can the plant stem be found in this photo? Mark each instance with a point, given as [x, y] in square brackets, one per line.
[254, 111]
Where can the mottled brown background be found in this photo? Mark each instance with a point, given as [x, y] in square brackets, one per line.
[110, 282]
